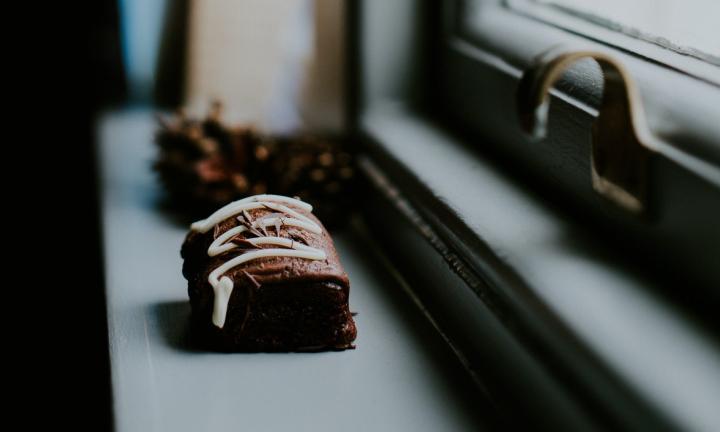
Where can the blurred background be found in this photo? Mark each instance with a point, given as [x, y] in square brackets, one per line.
[277, 63]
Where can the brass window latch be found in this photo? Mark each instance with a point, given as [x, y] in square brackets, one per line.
[621, 140]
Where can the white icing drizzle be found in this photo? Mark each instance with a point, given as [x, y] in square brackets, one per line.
[249, 203]
[223, 285]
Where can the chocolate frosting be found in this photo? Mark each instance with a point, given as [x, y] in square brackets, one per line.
[270, 270]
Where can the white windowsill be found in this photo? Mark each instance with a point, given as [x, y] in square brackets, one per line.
[614, 311]
[402, 376]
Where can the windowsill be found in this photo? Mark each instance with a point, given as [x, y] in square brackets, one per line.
[402, 376]
[597, 314]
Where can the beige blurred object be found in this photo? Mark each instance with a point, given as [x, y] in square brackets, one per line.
[241, 52]
[234, 48]
[323, 95]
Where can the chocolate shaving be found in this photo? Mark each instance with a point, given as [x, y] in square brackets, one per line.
[298, 239]
[242, 242]
[252, 279]
[278, 223]
[216, 231]
[250, 228]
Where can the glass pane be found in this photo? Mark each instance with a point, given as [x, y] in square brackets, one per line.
[683, 24]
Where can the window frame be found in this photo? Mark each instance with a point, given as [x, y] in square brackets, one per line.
[624, 37]
[472, 28]
[481, 70]
[467, 79]
[398, 64]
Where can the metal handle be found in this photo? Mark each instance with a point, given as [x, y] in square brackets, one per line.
[621, 141]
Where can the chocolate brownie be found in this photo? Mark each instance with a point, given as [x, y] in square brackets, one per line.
[263, 275]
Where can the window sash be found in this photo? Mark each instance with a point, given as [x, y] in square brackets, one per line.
[695, 62]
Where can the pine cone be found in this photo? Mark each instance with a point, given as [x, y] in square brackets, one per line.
[319, 170]
[204, 164]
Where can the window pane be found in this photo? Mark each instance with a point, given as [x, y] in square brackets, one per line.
[675, 23]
